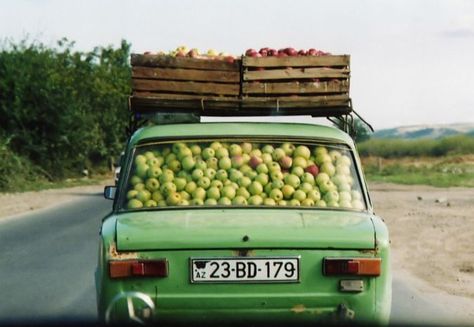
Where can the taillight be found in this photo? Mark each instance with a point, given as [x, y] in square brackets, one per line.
[138, 268]
[353, 266]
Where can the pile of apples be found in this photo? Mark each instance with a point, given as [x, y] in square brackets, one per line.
[284, 52]
[184, 51]
[221, 173]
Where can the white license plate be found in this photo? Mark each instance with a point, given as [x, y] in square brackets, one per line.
[245, 270]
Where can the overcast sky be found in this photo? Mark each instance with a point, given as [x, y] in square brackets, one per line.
[412, 60]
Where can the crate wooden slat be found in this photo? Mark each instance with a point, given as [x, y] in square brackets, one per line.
[298, 61]
[186, 74]
[159, 103]
[200, 88]
[295, 73]
[183, 62]
[296, 102]
[335, 86]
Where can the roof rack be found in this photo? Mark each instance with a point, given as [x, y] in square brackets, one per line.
[169, 89]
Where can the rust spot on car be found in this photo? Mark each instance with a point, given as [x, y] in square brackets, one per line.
[298, 308]
[114, 254]
[243, 253]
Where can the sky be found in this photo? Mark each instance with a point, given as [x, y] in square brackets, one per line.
[411, 60]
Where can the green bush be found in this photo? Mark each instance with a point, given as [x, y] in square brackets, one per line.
[64, 110]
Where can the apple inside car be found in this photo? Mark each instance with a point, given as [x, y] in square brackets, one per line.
[242, 223]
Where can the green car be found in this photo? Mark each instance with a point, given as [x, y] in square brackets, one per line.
[245, 223]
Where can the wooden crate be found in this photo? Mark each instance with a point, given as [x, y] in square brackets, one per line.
[296, 82]
[173, 79]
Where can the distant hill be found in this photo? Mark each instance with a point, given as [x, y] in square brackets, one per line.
[425, 131]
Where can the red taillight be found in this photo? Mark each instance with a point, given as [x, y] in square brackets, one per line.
[138, 268]
[354, 266]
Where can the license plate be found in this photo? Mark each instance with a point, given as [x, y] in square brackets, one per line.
[245, 270]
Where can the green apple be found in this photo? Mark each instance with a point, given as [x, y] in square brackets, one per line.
[235, 150]
[298, 171]
[294, 203]
[175, 166]
[268, 149]
[224, 201]
[204, 182]
[167, 188]
[208, 153]
[307, 202]
[299, 195]
[197, 174]
[152, 184]
[217, 183]
[255, 200]
[244, 181]
[135, 180]
[287, 191]
[246, 147]
[222, 153]
[321, 203]
[173, 199]
[228, 192]
[225, 163]
[305, 187]
[210, 173]
[262, 179]
[278, 154]
[213, 193]
[212, 163]
[322, 158]
[278, 183]
[210, 202]
[300, 162]
[188, 163]
[216, 145]
[333, 204]
[327, 187]
[334, 154]
[154, 171]
[149, 155]
[345, 204]
[322, 178]
[199, 193]
[269, 202]
[267, 188]
[289, 148]
[134, 204]
[221, 175]
[183, 203]
[331, 196]
[196, 202]
[180, 183]
[153, 162]
[292, 180]
[255, 153]
[343, 160]
[157, 196]
[273, 167]
[262, 168]
[139, 187]
[239, 200]
[165, 151]
[242, 191]
[237, 161]
[132, 194]
[251, 174]
[184, 152]
[339, 179]
[178, 146]
[345, 196]
[276, 175]
[344, 187]
[200, 164]
[267, 158]
[282, 203]
[235, 175]
[255, 188]
[342, 169]
[190, 187]
[141, 170]
[170, 157]
[302, 151]
[276, 195]
[166, 176]
[195, 149]
[320, 150]
[150, 204]
[245, 169]
[140, 159]
[308, 178]
[143, 195]
[314, 195]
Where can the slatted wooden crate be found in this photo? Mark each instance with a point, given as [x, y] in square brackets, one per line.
[182, 82]
[296, 82]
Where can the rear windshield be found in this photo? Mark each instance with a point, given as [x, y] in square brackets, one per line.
[242, 173]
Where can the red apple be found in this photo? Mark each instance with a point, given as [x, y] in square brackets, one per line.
[291, 52]
[263, 52]
[312, 169]
[272, 52]
[302, 53]
[286, 162]
[146, 52]
[251, 53]
[312, 52]
[229, 59]
[193, 53]
[255, 161]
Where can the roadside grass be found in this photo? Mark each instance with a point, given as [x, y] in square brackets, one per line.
[447, 171]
